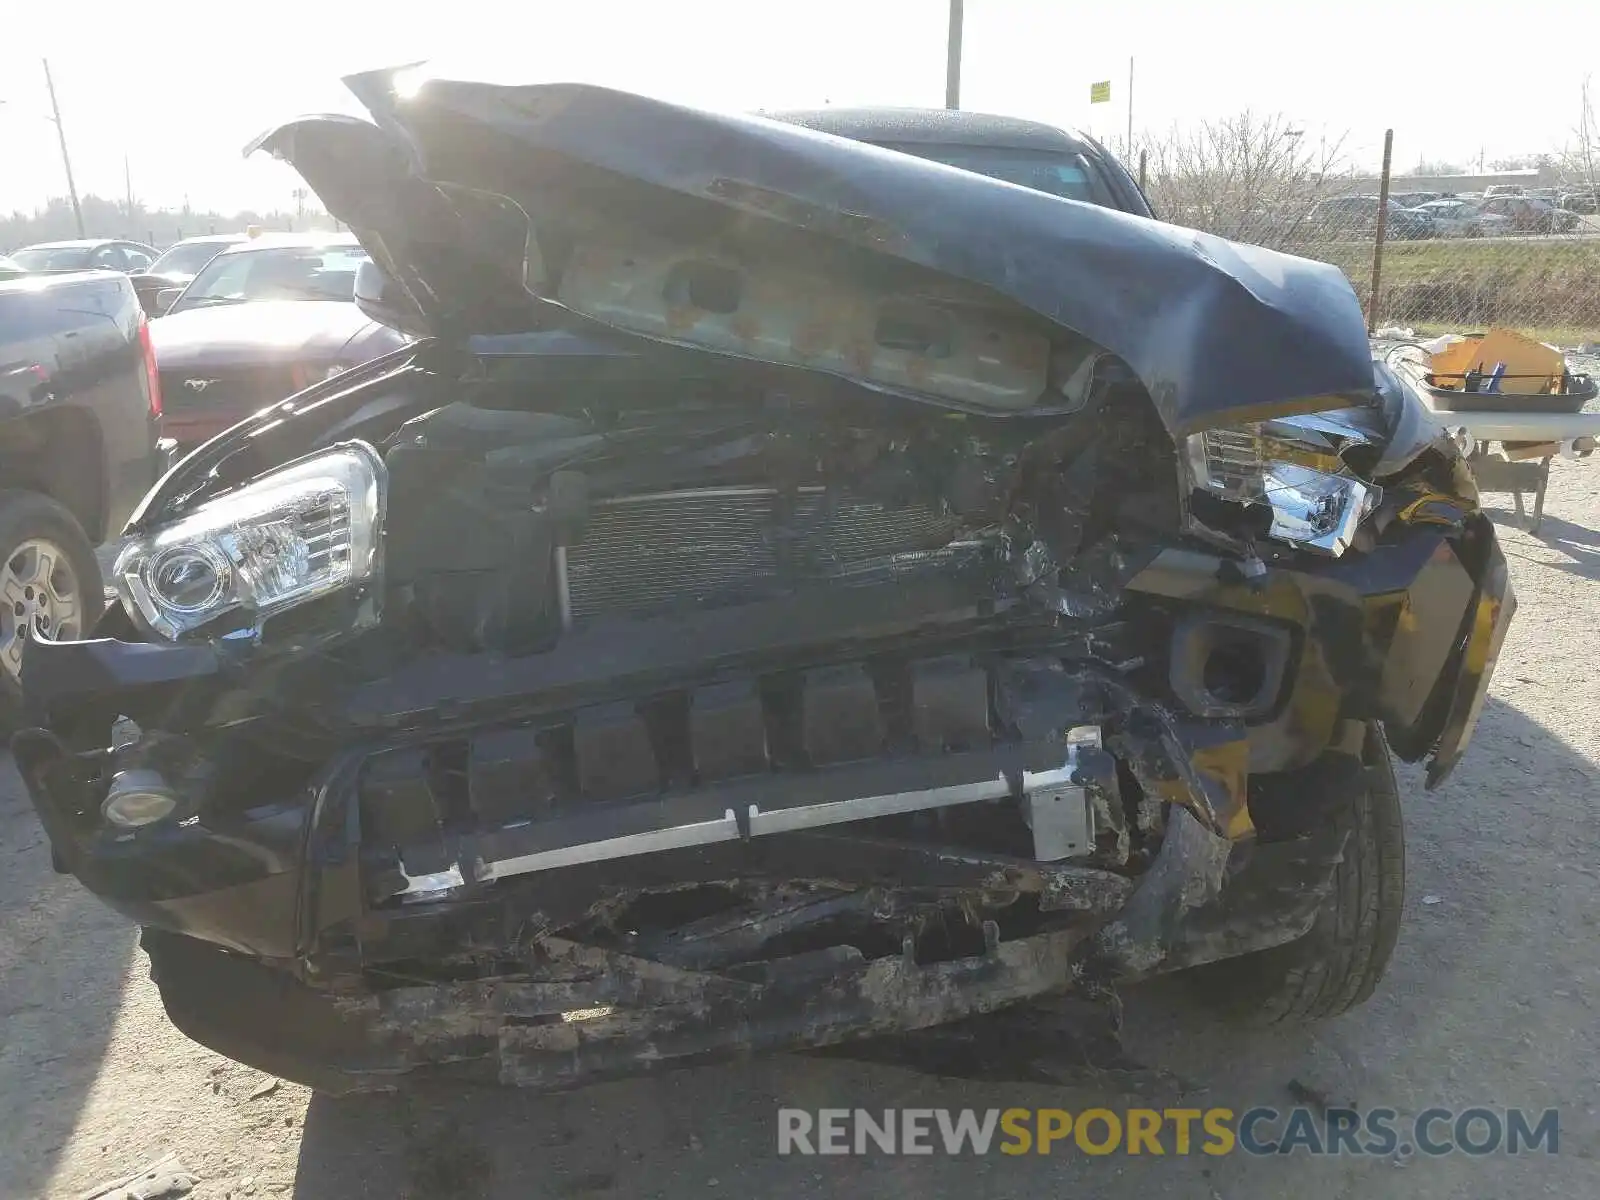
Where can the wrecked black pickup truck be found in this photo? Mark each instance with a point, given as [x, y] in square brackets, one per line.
[792, 595]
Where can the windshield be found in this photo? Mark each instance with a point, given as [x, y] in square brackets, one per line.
[61, 258]
[282, 273]
[1058, 174]
[186, 258]
[9, 266]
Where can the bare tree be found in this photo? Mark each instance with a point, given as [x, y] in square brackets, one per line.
[1519, 162]
[1248, 177]
[1580, 163]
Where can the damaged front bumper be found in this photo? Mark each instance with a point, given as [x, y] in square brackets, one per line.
[301, 926]
[576, 1014]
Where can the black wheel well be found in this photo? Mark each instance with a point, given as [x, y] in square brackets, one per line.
[58, 453]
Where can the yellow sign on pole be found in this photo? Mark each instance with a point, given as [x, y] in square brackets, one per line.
[1100, 93]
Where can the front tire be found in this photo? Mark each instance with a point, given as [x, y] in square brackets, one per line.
[1337, 965]
[49, 584]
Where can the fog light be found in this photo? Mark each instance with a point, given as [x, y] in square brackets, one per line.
[137, 798]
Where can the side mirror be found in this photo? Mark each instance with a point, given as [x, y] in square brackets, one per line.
[165, 299]
[386, 302]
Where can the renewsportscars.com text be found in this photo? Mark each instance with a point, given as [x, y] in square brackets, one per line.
[1179, 1131]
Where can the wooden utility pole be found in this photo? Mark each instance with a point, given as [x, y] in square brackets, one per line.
[952, 58]
[61, 135]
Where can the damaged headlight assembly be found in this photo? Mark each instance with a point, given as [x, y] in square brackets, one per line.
[305, 531]
[1293, 467]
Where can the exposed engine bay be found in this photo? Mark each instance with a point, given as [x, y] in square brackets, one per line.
[817, 594]
[669, 503]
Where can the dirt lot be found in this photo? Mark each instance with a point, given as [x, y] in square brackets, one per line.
[1493, 999]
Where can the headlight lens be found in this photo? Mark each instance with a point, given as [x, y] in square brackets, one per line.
[1313, 509]
[1296, 473]
[306, 530]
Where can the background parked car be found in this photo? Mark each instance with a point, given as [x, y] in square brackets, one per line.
[1463, 218]
[179, 263]
[1529, 215]
[263, 319]
[1357, 216]
[1586, 203]
[86, 254]
[1561, 220]
[1416, 199]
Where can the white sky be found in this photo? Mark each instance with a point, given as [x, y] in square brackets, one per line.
[1454, 77]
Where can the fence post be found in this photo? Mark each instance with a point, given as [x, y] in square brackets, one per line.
[1383, 221]
[1144, 156]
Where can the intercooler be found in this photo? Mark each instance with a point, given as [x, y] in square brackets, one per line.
[722, 545]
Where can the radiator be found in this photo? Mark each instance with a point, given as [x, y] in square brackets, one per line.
[723, 545]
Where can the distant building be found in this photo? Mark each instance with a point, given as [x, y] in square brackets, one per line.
[1532, 177]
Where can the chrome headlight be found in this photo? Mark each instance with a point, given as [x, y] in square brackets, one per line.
[304, 531]
[1292, 467]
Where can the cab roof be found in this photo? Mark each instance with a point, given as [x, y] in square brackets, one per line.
[933, 126]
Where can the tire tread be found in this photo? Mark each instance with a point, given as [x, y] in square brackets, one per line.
[1337, 965]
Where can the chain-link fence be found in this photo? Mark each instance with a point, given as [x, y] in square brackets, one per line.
[1459, 254]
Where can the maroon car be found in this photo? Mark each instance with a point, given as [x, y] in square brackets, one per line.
[1529, 214]
[262, 320]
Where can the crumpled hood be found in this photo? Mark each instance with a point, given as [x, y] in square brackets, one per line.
[1218, 332]
[301, 331]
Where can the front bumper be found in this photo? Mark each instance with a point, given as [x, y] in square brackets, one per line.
[285, 888]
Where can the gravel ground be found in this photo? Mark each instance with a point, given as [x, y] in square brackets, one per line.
[1492, 999]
